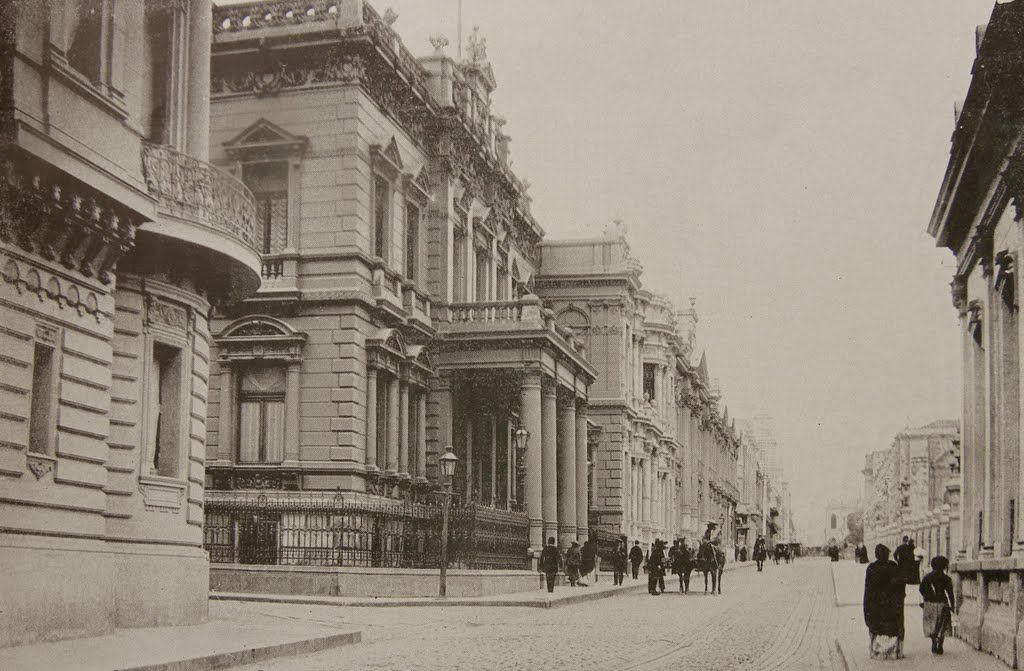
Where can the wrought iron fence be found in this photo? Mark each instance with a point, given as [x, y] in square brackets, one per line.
[336, 532]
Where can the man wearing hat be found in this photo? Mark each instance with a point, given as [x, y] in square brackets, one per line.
[549, 563]
[713, 535]
[636, 557]
[573, 559]
[656, 568]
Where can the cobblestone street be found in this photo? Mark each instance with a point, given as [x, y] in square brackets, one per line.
[783, 618]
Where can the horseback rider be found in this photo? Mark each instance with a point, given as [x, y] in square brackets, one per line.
[712, 536]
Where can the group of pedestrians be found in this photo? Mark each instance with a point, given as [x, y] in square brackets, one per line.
[578, 562]
[885, 590]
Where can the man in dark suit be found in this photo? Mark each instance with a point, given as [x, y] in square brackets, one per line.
[550, 560]
[636, 557]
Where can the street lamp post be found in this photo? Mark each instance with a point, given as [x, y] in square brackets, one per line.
[520, 439]
[448, 461]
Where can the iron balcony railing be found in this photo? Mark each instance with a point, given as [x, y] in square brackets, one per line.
[200, 192]
[315, 531]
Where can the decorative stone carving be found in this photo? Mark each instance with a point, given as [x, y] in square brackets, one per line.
[1013, 177]
[439, 42]
[27, 279]
[164, 497]
[44, 211]
[40, 464]
[161, 312]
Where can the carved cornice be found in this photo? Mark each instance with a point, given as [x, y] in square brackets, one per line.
[46, 212]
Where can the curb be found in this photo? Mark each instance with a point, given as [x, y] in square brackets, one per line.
[424, 602]
[497, 602]
[251, 655]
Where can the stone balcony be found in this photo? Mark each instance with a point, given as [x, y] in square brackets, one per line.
[204, 206]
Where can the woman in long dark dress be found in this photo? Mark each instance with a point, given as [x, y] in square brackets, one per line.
[884, 586]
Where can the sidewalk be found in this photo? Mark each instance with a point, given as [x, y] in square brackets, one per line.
[852, 638]
[539, 598]
[235, 634]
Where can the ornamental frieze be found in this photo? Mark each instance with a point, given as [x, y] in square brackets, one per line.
[27, 279]
[273, 77]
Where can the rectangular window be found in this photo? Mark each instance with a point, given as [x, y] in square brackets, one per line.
[269, 185]
[166, 411]
[502, 285]
[459, 268]
[89, 37]
[381, 215]
[482, 272]
[261, 415]
[650, 374]
[412, 240]
[41, 418]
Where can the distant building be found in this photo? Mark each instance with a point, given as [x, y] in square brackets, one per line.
[835, 523]
[666, 461]
[913, 489]
[116, 236]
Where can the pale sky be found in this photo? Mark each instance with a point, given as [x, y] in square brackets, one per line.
[778, 160]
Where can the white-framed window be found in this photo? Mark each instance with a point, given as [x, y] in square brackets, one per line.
[268, 182]
[261, 414]
[381, 216]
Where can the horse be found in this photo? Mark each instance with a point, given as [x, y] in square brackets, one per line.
[683, 564]
[711, 560]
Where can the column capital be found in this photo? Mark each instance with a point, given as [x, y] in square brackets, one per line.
[530, 377]
[548, 387]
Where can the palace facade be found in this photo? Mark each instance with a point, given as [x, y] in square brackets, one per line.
[116, 237]
[397, 316]
[666, 459]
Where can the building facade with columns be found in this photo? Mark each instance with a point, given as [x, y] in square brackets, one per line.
[913, 489]
[666, 460]
[978, 216]
[396, 318]
[116, 236]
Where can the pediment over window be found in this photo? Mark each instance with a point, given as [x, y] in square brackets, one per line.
[259, 337]
[388, 158]
[417, 184]
[419, 355]
[263, 139]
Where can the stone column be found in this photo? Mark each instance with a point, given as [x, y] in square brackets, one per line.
[421, 437]
[647, 486]
[371, 419]
[494, 460]
[403, 430]
[291, 419]
[226, 420]
[566, 484]
[582, 475]
[470, 475]
[549, 447]
[510, 465]
[200, 33]
[530, 416]
[442, 399]
[392, 419]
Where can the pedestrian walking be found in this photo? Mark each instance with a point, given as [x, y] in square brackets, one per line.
[884, 591]
[589, 560]
[760, 552]
[939, 603]
[636, 557]
[655, 568]
[906, 558]
[573, 561]
[550, 562]
[619, 561]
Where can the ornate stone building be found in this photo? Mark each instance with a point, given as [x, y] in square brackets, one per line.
[978, 216]
[913, 489]
[396, 316]
[116, 237]
[666, 461]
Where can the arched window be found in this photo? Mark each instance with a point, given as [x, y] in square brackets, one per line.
[833, 521]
